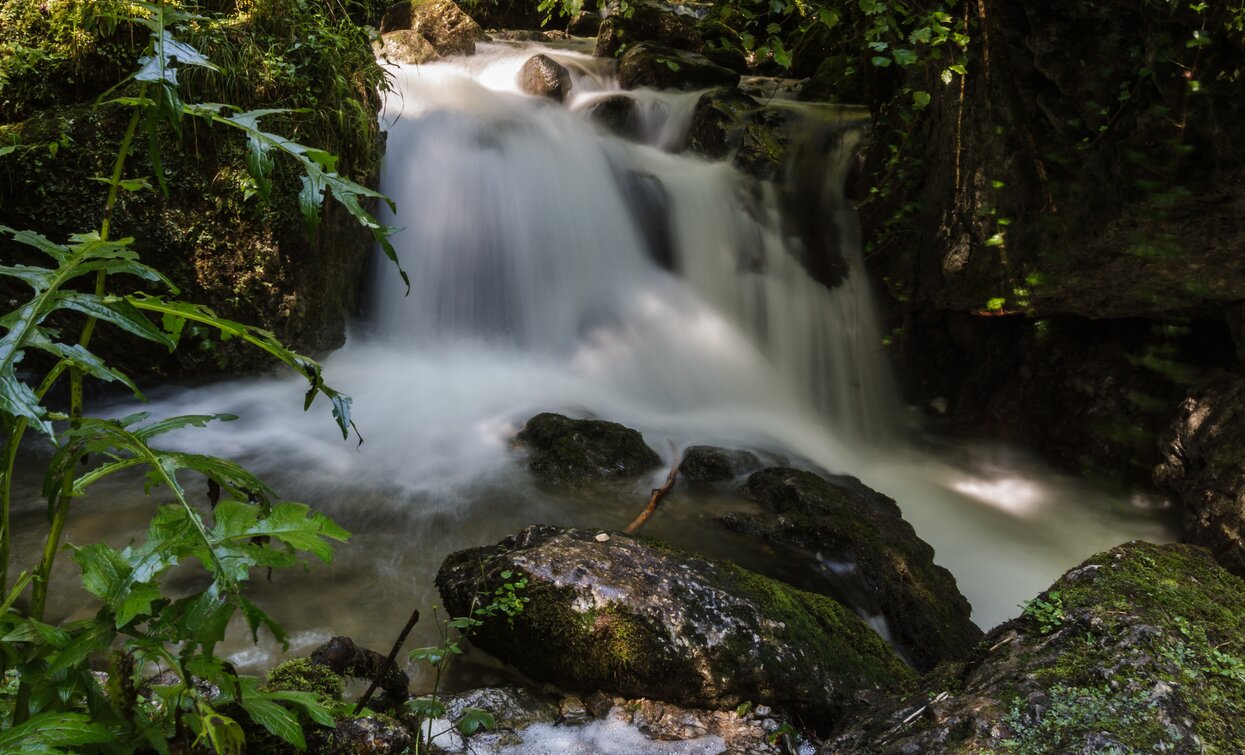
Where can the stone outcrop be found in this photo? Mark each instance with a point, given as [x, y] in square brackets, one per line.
[865, 554]
[441, 22]
[609, 612]
[1204, 466]
[649, 64]
[1139, 649]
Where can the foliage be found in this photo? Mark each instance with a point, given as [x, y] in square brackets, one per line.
[1046, 612]
[507, 600]
[140, 625]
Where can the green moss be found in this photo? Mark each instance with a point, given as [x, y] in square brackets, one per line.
[301, 675]
[1148, 615]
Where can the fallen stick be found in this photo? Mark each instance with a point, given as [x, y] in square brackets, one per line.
[657, 494]
[384, 667]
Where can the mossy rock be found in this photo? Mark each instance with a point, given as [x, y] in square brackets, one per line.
[649, 64]
[1140, 649]
[250, 259]
[880, 566]
[569, 452]
[647, 23]
[711, 464]
[644, 620]
[301, 675]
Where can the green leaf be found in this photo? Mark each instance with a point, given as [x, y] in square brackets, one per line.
[881, 61]
[475, 719]
[276, 718]
[309, 702]
[995, 304]
[920, 100]
[426, 707]
[903, 56]
[114, 310]
[54, 730]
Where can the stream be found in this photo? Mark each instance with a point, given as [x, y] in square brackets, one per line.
[546, 277]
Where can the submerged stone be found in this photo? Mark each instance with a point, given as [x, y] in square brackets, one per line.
[1139, 649]
[641, 619]
[867, 556]
[565, 451]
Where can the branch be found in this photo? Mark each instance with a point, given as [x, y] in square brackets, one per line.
[657, 494]
[384, 667]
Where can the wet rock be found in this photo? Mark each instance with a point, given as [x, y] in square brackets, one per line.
[586, 24]
[723, 45]
[727, 122]
[717, 120]
[345, 658]
[649, 203]
[448, 29]
[512, 708]
[866, 555]
[652, 65]
[1128, 652]
[407, 47]
[647, 24]
[527, 35]
[616, 113]
[641, 619]
[710, 464]
[565, 451]
[542, 76]
[370, 735]
[1204, 465]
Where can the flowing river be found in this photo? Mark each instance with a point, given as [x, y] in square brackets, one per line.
[556, 267]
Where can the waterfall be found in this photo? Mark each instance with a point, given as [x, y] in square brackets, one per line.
[529, 228]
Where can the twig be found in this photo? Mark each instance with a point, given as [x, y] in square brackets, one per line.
[384, 667]
[657, 494]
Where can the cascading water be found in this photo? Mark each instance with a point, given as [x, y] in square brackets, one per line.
[556, 267]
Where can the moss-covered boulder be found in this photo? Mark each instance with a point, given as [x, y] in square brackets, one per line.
[614, 613]
[648, 64]
[647, 23]
[729, 123]
[859, 549]
[1139, 649]
[565, 451]
[1204, 465]
[441, 22]
[407, 47]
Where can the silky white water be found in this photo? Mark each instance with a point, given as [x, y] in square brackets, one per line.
[535, 288]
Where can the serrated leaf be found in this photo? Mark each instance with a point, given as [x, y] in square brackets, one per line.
[276, 718]
[309, 702]
[54, 730]
[114, 310]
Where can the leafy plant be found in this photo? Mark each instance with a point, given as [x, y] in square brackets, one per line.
[58, 702]
[1046, 612]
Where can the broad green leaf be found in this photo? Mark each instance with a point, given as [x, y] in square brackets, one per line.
[38, 278]
[273, 716]
[57, 252]
[115, 310]
[54, 730]
[426, 707]
[18, 400]
[96, 638]
[475, 719]
[309, 702]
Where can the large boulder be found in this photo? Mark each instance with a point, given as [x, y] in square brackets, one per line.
[609, 612]
[441, 22]
[1139, 649]
[727, 122]
[565, 451]
[407, 47]
[647, 24]
[859, 548]
[542, 76]
[1204, 465]
[653, 65]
